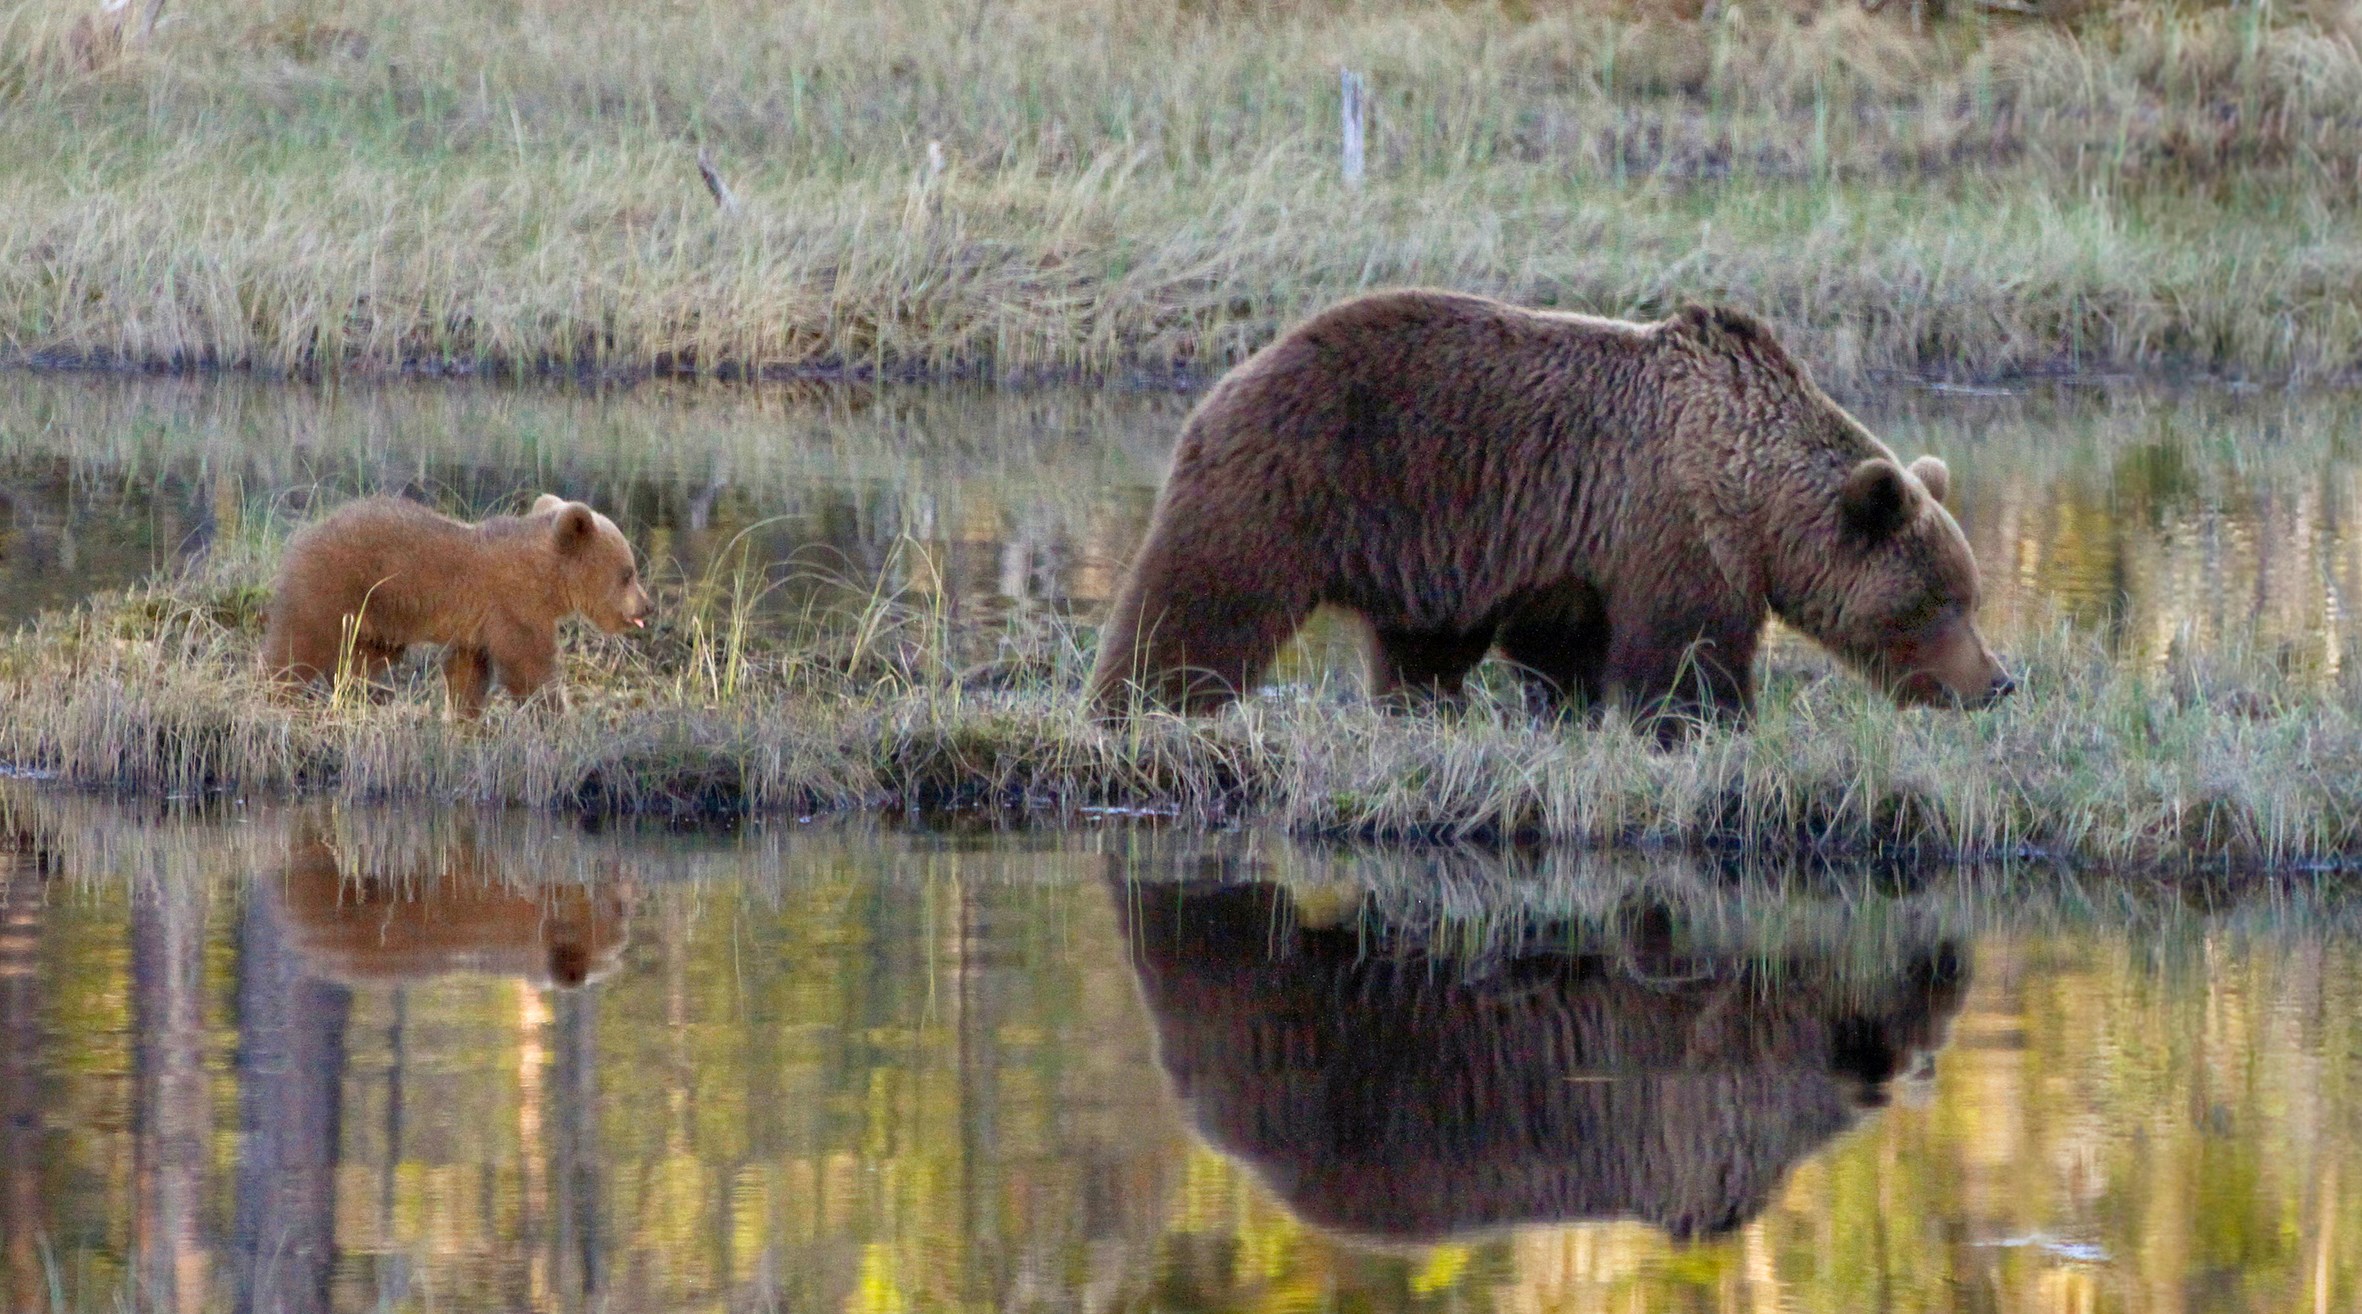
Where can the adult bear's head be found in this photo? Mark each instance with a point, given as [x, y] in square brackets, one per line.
[1908, 619]
[1808, 509]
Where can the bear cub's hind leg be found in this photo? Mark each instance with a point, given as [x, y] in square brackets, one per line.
[373, 666]
[467, 679]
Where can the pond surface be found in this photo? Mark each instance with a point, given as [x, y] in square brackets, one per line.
[2147, 519]
[310, 1059]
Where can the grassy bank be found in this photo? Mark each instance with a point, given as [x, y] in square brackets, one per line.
[1014, 187]
[1468, 902]
[893, 706]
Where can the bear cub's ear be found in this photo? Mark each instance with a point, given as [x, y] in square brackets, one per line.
[546, 502]
[1932, 472]
[1876, 500]
[575, 526]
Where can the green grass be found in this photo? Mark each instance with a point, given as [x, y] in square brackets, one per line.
[894, 704]
[321, 186]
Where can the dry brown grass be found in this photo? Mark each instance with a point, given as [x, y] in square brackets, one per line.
[318, 185]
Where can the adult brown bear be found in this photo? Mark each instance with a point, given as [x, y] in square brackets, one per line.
[1617, 506]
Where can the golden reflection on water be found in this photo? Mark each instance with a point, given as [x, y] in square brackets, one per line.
[2153, 521]
[2200, 523]
[868, 1071]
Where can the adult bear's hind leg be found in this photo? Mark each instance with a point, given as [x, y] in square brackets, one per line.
[1424, 666]
[1560, 644]
[1191, 632]
[1676, 672]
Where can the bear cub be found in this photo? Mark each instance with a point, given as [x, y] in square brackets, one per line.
[490, 593]
[1617, 507]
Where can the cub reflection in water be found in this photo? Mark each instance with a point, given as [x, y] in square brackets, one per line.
[1401, 1096]
[451, 909]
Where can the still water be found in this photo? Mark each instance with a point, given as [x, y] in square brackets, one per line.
[2146, 519]
[307, 1059]
[300, 1058]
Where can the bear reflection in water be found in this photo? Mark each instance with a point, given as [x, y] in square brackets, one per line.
[455, 910]
[1400, 1096]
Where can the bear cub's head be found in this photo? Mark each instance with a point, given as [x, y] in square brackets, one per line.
[1909, 617]
[597, 573]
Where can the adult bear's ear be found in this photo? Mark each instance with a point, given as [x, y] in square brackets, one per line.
[1876, 500]
[1935, 474]
[575, 527]
[1695, 318]
[1724, 325]
[546, 502]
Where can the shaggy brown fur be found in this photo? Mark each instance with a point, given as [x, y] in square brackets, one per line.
[460, 914]
[491, 593]
[1616, 506]
[1392, 1094]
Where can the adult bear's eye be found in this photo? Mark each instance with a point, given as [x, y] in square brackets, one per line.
[1930, 614]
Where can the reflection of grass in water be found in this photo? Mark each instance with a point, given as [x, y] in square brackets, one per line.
[1477, 905]
[823, 477]
[2212, 763]
[1464, 905]
[636, 453]
[773, 443]
[2096, 1008]
[2113, 500]
[294, 184]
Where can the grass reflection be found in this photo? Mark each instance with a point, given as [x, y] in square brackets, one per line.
[852, 1068]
